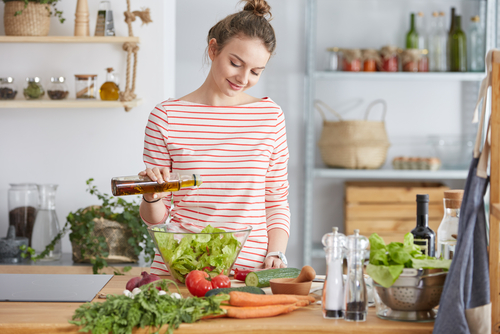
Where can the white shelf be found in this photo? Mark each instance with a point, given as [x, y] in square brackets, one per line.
[395, 76]
[69, 103]
[391, 174]
[68, 39]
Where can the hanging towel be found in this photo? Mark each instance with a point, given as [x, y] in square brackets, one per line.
[465, 302]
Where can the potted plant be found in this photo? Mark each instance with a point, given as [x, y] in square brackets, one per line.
[29, 17]
[112, 232]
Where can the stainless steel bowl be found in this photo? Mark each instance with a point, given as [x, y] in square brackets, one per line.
[413, 296]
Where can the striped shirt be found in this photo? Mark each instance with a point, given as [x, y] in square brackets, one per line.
[242, 155]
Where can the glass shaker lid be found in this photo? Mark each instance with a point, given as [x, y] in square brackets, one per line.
[334, 239]
[57, 79]
[357, 242]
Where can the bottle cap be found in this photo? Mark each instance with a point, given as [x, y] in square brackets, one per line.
[435, 14]
[475, 18]
[421, 14]
[423, 198]
[441, 13]
[109, 69]
[453, 198]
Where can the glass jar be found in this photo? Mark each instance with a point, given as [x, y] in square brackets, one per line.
[86, 86]
[46, 225]
[333, 59]
[23, 205]
[351, 60]
[410, 59]
[389, 59]
[58, 90]
[448, 229]
[33, 90]
[423, 63]
[8, 89]
[370, 59]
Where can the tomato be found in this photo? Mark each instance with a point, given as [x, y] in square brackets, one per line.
[198, 283]
[221, 281]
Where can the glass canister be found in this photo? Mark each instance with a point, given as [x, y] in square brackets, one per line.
[370, 59]
[333, 288]
[23, 205]
[8, 89]
[46, 223]
[356, 295]
[86, 86]
[57, 90]
[351, 60]
[410, 59]
[333, 59]
[448, 229]
[33, 90]
[389, 59]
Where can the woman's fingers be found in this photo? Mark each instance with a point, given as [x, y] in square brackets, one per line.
[273, 262]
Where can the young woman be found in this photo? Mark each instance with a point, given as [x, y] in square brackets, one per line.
[236, 142]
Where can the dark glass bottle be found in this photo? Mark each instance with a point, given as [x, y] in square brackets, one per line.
[412, 35]
[423, 236]
[458, 48]
[450, 33]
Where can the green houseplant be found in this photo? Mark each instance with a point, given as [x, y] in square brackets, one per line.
[29, 17]
[95, 247]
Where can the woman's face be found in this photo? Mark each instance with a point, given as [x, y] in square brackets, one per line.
[239, 65]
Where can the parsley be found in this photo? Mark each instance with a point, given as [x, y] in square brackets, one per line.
[120, 314]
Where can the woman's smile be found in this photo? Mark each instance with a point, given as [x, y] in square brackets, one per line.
[234, 86]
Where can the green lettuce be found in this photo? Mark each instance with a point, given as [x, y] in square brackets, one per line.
[388, 261]
[212, 250]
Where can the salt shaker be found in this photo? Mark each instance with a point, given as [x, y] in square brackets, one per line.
[356, 297]
[333, 288]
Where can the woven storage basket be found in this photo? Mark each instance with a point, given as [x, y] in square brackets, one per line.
[33, 21]
[116, 236]
[358, 144]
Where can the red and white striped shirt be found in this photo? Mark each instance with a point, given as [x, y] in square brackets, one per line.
[242, 155]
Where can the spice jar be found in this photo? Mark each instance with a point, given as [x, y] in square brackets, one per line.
[86, 86]
[333, 59]
[389, 59]
[33, 89]
[410, 59]
[58, 90]
[351, 60]
[8, 90]
[370, 59]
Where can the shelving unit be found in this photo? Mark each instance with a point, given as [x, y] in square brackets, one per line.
[67, 39]
[471, 80]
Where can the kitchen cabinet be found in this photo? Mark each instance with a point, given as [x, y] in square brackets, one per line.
[20, 102]
[468, 83]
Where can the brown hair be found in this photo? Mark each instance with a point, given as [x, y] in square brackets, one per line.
[252, 22]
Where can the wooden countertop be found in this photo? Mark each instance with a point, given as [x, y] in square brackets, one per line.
[41, 318]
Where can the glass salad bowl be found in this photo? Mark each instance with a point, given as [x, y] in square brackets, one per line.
[210, 247]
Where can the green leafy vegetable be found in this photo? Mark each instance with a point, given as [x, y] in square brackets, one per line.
[388, 261]
[212, 250]
[120, 314]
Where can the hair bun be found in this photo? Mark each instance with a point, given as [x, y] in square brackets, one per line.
[258, 7]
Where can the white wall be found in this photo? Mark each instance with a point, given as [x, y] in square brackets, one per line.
[68, 146]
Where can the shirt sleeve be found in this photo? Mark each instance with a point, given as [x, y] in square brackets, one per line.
[277, 210]
[155, 152]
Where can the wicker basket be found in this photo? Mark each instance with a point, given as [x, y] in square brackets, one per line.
[116, 235]
[33, 21]
[358, 144]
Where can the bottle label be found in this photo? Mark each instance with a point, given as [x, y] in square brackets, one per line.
[423, 244]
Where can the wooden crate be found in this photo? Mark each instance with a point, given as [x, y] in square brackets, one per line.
[389, 208]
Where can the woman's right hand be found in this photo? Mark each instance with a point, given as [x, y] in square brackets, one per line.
[158, 175]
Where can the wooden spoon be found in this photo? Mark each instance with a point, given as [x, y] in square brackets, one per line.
[307, 274]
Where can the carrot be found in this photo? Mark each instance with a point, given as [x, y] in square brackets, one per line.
[311, 299]
[258, 311]
[213, 316]
[237, 298]
[302, 302]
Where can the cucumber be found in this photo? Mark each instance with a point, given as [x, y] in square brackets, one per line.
[261, 278]
[249, 289]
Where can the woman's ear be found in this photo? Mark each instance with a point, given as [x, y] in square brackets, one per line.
[212, 48]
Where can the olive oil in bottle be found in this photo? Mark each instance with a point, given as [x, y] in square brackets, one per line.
[136, 184]
[109, 90]
[423, 236]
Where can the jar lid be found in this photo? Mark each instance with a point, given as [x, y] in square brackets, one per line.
[334, 49]
[85, 76]
[34, 79]
[7, 79]
[57, 79]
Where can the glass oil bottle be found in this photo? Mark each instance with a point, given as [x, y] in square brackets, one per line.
[356, 297]
[448, 229]
[333, 288]
[136, 184]
[109, 90]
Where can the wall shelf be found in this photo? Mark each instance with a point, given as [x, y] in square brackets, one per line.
[68, 39]
[69, 103]
[391, 174]
[400, 76]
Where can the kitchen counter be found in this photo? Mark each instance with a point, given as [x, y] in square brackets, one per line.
[41, 318]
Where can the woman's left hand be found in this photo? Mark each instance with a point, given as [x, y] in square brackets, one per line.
[273, 262]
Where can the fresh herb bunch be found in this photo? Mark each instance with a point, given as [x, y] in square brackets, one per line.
[53, 3]
[121, 314]
[81, 223]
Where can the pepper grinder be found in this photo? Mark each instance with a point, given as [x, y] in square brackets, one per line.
[82, 18]
[356, 298]
[333, 288]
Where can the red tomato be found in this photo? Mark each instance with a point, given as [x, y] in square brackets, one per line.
[221, 281]
[198, 283]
